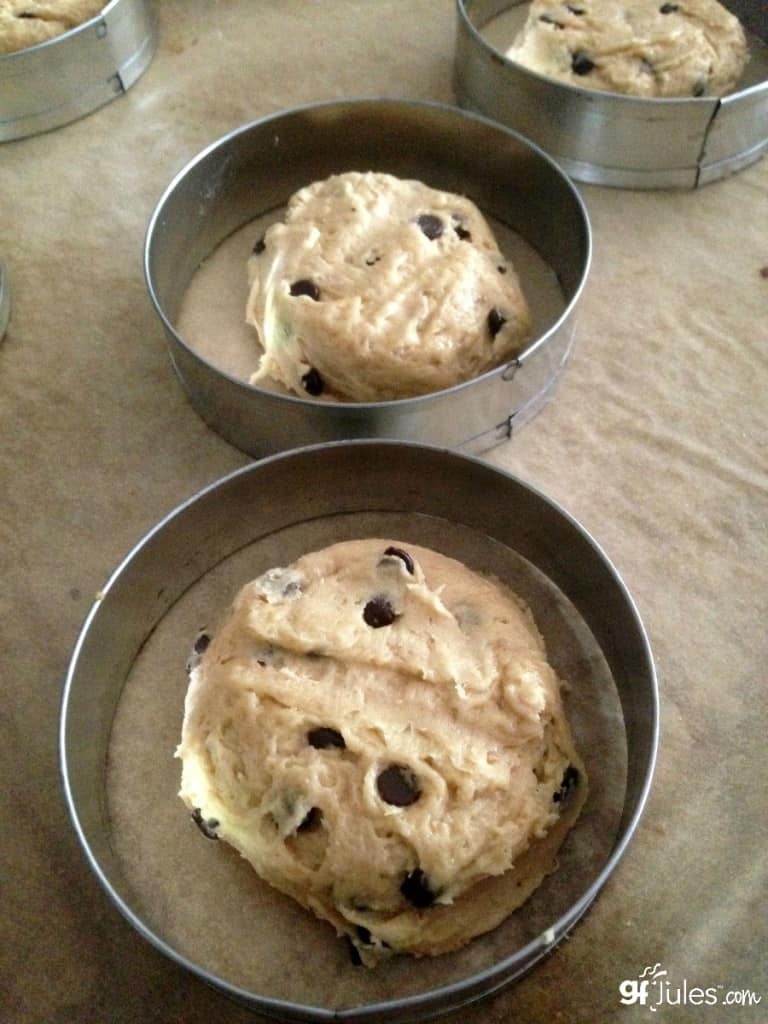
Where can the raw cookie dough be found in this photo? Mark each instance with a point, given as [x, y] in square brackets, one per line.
[377, 730]
[375, 288]
[25, 23]
[641, 48]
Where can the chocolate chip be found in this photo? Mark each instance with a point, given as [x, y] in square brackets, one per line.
[416, 889]
[259, 246]
[462, 232]
[398, 786]
[581, 64]
[379, 612]
[305, 287]
[323, 737]
[403, 555]
[569, 781]
[495, 321]
[550, 21]
[430, 225]
[207, 826]
[501, 269]
[700, 88]
[668, 8]
[202, 642]
[364, 935]
[764, 272]
[199, 647]
[311, 820]
[354, 955]
[312, 382]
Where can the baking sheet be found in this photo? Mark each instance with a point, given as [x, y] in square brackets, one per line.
[211, 317]
[208, 904]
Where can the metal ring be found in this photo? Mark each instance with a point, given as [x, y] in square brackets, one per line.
[354, 477]
[5, 299]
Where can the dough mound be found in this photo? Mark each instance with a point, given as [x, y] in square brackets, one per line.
[642, 48]
[25, 23]
[375, 288]
[377, 730]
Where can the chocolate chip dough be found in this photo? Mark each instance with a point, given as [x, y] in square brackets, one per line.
[375, 288]
[644, 48]
[25, 23]
[377, 730]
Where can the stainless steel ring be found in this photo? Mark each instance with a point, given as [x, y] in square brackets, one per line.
[50, 84]
[256, 168]
[5, 299]
[607, 139]
[352, 478]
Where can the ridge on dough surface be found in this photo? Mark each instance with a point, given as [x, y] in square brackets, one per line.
[377, 730]
[646, 48]
[25, 23]
[373, 288]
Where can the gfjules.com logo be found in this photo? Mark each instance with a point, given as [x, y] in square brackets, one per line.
[653, 988]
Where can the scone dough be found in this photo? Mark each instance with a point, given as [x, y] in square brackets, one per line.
[377, 730]
[25, 23]
[376, 288]
[641, 48]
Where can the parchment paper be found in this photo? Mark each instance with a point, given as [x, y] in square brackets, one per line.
[656, 439]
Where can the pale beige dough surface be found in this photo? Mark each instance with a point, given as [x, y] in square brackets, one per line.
[646, 48]
[25, 23]
[377, 730]
[375, 288]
